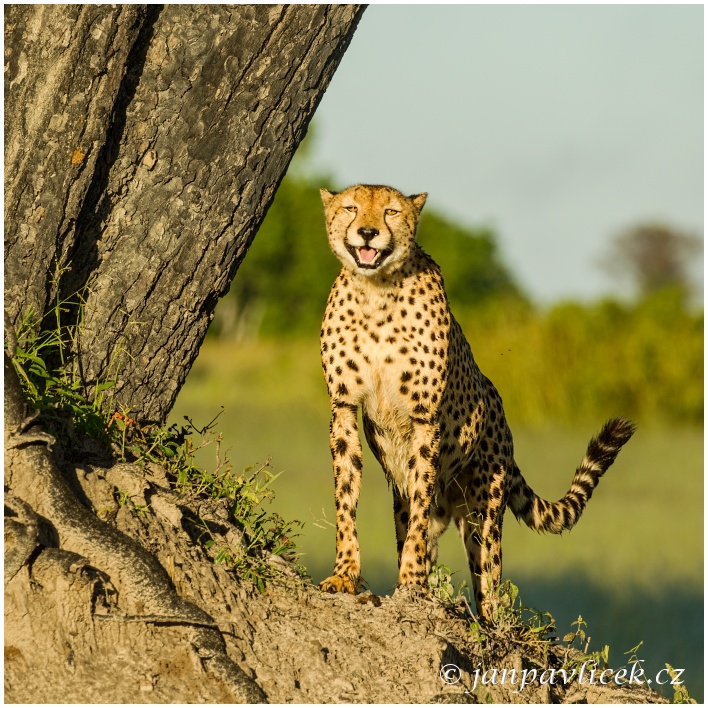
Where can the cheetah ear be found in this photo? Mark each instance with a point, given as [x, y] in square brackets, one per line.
[419, 200]
[326, 196]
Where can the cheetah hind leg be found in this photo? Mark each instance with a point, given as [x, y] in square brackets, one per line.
[439, 520]
[484, 559]
[401, 512]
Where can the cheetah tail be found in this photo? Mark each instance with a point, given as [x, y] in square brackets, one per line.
[562, 515]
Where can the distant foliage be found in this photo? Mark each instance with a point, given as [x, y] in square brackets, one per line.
[283, 283]
[471, 263]
[577, 362]
[572, 362]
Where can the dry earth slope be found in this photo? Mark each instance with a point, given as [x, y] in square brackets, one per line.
[109, 602]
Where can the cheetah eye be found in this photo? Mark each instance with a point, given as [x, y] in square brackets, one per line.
[391, 212]
[351, 209]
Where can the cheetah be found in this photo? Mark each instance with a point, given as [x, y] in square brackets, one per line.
[434, 422]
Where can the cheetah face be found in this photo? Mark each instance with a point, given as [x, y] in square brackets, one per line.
[371, 228]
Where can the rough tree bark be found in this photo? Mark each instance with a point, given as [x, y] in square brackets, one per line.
[63, 71]
[144, 145]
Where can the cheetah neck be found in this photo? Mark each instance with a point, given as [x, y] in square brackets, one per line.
[375, 294]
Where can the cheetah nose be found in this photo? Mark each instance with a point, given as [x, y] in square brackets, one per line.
[367, 233]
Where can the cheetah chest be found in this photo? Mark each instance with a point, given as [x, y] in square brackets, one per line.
[387, 422]
[398, 387]
[386, 351]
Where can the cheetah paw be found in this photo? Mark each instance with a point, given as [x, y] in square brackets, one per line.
[340, 583]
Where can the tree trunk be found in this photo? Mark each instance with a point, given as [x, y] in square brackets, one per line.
[64, 68]
[155, 143]
[143, 146]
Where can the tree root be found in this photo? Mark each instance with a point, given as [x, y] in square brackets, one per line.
[41, 496]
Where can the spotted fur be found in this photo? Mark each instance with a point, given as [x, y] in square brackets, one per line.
[435, 423]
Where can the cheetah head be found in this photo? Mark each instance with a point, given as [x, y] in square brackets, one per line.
[371, 228]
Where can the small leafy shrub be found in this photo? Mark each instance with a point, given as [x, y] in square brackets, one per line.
[441, 586]
[600, 658]
[511, 619]
[263, 535]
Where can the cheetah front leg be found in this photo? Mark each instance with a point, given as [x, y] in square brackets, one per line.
[347, 462]
[414, 563]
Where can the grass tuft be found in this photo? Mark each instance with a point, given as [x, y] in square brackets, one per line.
[52, 384]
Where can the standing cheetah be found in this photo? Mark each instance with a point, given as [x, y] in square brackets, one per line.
[434, 422]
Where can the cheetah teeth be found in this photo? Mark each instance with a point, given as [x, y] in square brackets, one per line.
[366, 256]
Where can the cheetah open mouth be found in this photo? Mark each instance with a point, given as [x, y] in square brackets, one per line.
[368, 257]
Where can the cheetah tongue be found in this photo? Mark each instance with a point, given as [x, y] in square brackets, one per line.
[367, 255]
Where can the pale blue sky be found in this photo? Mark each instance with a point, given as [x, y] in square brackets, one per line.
[558, 125]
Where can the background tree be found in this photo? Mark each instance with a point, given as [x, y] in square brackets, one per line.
[655, 257]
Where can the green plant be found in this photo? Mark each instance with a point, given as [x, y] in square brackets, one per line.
[516, 633]
[263, 535]
[441, 586]
[574, 661]
[58, 391]
[140, 510]
[513, 625]
[681, 694]
[600, 658]
[511, 615]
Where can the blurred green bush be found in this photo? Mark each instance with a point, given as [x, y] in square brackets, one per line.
[572, 362]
